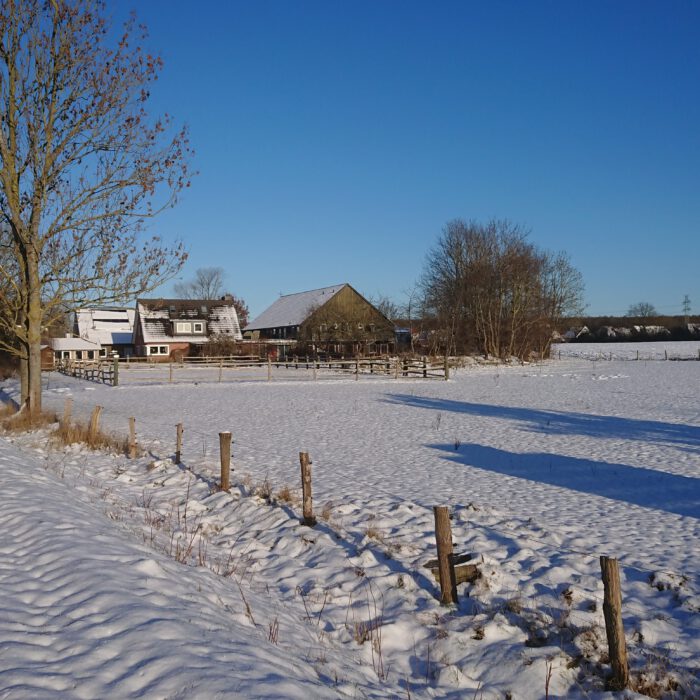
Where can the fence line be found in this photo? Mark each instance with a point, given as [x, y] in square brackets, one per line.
[108, 371]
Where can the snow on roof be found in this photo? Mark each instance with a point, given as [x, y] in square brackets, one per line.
[106, 325]
[73, 344]
[293, 309]
[157, 316]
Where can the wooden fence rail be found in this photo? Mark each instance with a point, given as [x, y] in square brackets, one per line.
[106, 372]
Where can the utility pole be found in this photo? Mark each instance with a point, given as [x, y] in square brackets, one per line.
[686, 308]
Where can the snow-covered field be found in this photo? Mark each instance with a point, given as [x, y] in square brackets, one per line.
[545, 467]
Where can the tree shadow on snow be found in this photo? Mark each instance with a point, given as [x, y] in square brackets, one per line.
[564, 423]
[636, 485]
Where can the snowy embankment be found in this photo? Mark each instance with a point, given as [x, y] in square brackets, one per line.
[546, 467]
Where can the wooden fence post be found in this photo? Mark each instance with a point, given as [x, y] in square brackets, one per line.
[396, 369]
[307, 500]
[314, 370]
[612, 611]
[425, 367]
[447, 367]
[67, 410]
[225, 450]
[443, 539]
[178, 443]
[132, 438]
[115, 372]
[94, 422]
[221, 369]
[357, 369]
[269, 369]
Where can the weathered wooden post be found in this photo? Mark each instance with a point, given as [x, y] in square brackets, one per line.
[221, 369]
[115, 372]
[132, 438]
[447, 367]
[357, 369]
[612, 611]
[396, 369]
[225, 450]
[307, 500]
[178, 443]
[94, 422]
[67, 410]
[269, 369]
[425, 367]
[443, 539]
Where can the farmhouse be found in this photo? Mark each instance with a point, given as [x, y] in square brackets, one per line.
[333, 320]
[173, 328]
[110, 327]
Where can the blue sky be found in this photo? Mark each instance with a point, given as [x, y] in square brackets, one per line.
[334, 140]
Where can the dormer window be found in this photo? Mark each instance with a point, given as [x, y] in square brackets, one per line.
[197, 327]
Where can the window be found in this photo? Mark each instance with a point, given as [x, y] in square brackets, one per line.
[158, 350]
[90, 354]
[181, 327]
[198, 327]
[163, 349]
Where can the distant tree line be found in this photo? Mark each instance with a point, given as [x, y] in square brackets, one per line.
[601, 329]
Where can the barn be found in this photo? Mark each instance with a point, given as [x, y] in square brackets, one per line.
[333, 321]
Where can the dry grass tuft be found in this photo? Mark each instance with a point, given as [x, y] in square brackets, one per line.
[77, 433]
[264, 490]
[285, 495]
[326, 512]
[21, 422]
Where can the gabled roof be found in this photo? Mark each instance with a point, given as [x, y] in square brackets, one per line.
[72, 344]
[156, 317]
[293, 309]
[106, 325]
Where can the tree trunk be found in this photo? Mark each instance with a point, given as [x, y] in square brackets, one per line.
[34, 318]
[24, 380]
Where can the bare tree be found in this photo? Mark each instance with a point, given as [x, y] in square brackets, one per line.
[642, 309]
[385, 306]
[489, 287]
[82, 166]
[208, 283]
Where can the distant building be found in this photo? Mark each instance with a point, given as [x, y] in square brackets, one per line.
[110, 327]
[166, 328]
[72, 348]
[333, 320]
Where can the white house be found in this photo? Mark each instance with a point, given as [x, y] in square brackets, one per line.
[110, 327]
